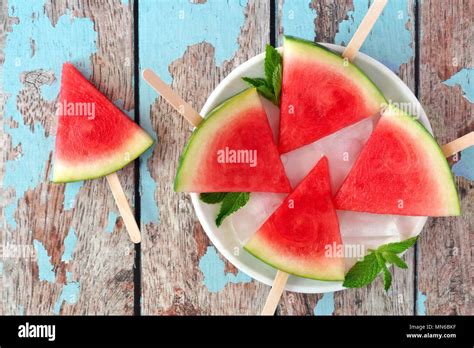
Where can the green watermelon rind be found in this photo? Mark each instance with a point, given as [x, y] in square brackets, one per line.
[428, 137]
[377, 94]
[180, 176]
[284, 269]
[136, 151]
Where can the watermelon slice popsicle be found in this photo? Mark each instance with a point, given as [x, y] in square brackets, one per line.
[238, 123]
[95, 139]
[412, 177]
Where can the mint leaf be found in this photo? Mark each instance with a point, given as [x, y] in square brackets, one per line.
[262, 86]
[272, 60]
[380, 259]
[232, 202]
[213, 197]
[363, 272]
[399, 247]
[267, 92]
[394, 259]
[270, 86]
[276, 83]
[255, 81]
[387, 276]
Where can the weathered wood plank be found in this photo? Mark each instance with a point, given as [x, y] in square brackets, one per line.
[445, 278]
[70, 263]
[196, 46]
[335, 22]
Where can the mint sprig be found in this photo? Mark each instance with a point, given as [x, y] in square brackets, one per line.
[231, 202]
[270, 86]
[213, 197]
[364, 272]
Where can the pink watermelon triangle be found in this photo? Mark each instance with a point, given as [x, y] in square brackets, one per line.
[233, 150]
[321, 94]
[94, 138]
[401, 171]
[302, 236]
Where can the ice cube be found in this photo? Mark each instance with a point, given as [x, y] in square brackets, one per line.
[247, 220]
[273, 116]
[341, 148]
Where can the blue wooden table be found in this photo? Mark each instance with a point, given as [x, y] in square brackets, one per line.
[65, 250]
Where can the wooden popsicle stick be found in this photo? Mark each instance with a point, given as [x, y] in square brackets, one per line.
[364, 29]
[191, 115]
[275, 293]
[124, 208]
[458, 145]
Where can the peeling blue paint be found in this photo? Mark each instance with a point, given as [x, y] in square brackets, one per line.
[389, 41]
[25, 172]
[71, 39]
[465, 166]
[298, 19]
[181, 24]
[69, 245]
[45, 268]
[10, 215]
[111, 220]
[68, 276]
[213, 268]
[69, 293]
[325, 305]
[1, 268]
[465, 79]
[149, 207]
[70, 193]
[420, 303]
[21, 310]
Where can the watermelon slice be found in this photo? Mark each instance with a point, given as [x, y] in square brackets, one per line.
[401, 171]
[321, 93]
[94, 138]
[297, 237]
[233, 150]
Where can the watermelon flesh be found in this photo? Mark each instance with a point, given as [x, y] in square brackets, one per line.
[296, 238]
[400, 171]
[94, 138]
[233, 150]
[321, 93]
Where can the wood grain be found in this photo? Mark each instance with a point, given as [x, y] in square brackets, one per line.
[172, 282]
[445, 263]
[102, 263]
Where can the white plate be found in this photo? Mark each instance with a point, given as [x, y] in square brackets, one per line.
[368, 229]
